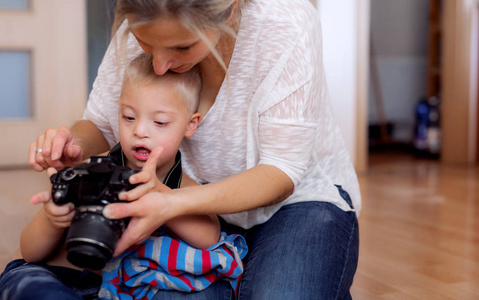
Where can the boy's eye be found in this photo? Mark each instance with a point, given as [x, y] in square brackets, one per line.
[160, 123]
[128, 118]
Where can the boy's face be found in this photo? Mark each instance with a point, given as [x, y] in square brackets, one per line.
[150, 116]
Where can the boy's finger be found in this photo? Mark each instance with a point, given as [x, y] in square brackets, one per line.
[152, 161]
[142, 177]
[60, 210]
[42, 197]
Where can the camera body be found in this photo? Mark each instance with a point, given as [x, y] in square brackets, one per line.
[92, 238]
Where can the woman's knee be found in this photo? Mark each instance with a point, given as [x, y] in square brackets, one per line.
[306, 249]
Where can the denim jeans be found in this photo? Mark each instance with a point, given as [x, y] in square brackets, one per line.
[21, 280]
[307, 250]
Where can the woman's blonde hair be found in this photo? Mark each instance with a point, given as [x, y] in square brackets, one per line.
[187, 84]
[196, 15]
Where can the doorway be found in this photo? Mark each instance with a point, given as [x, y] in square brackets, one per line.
[398, 73]
[410, 46]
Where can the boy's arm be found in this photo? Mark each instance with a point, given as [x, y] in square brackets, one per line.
[40, 239]
[42, 235]
[198, 231]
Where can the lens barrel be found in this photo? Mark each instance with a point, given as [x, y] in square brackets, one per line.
[92, 238]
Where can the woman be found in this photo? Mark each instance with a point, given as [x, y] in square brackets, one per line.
[268, 154]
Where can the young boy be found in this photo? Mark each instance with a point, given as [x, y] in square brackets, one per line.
[155, 114]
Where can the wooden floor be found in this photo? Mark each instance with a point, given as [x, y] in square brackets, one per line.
[419, 227]
[419, 231]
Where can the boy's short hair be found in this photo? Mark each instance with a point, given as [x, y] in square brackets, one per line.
[188, 83]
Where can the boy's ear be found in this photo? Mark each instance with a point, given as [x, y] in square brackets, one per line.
[193, 124]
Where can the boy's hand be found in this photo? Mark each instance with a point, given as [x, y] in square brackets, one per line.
[59, 216]
[146, 178]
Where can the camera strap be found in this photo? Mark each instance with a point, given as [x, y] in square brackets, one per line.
[173, 178]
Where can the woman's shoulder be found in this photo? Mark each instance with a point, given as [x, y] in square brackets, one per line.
[285, 15]
[271, 26]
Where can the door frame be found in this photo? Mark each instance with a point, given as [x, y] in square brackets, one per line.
[459, 96]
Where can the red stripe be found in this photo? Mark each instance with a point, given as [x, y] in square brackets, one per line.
[172, 256]
[153, 265]
[187, 282]
[234, 264]
[210, 276]
[154, 282]
[205, 257]
[125, 275]
[141, 251]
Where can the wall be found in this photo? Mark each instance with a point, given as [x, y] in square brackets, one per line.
[345, 28]
[338, 19]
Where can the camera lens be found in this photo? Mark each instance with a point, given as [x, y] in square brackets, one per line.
[92, 238]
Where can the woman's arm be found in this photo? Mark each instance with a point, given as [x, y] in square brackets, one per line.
[259, 186]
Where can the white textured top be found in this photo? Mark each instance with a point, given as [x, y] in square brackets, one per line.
[275, 110]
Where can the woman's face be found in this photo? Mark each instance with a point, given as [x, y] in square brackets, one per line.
[172, 45]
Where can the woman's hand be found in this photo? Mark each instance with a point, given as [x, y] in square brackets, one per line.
[55, 148]
[147, 179]
[144, 206]
[60, 216]
[147, 214]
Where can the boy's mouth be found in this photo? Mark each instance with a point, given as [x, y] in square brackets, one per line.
[141, 153]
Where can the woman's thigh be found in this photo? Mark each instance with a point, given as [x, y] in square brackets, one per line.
[307, 250]
[219, 290]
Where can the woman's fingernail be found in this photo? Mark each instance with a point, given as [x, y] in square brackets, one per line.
[107, 212]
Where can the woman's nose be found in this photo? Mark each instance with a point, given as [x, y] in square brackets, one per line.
[162, 62]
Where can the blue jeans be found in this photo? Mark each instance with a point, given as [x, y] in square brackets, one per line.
[307, 250]
[21, 280]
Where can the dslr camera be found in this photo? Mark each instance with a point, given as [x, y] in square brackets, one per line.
[92, 238]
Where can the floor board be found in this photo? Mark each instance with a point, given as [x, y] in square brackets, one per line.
[419, 227]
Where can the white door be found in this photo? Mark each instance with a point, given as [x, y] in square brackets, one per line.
[43, 71]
